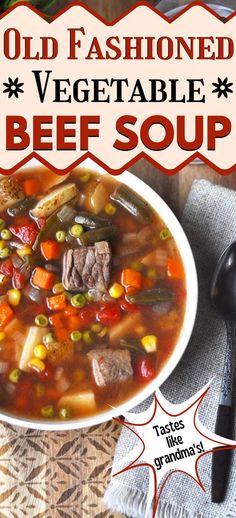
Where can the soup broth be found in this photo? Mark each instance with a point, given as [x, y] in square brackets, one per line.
[92, 294]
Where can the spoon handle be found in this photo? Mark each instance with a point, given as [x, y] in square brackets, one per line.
[224, 420]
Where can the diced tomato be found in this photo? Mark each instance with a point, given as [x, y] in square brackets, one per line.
[144, 369]
[109, 314]
[70, 310]
[6, 268]
[27, 233]
[81, 318]
[18, 280]
[126, 306]
[47, 374]
[88, 314]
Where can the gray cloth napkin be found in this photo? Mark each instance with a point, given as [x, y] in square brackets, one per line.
[209, 221]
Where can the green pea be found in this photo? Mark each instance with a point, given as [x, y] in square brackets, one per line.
[6, 235]
[48, 338]
[165, 234]
[88, 297]
[2, 224]
[76, 230]
[87, 337]
[64, 413]
[4, 253]
[60, 236]
[15, 375]
[47, 411]
[41, 321]
[76, 336]
[78, 301]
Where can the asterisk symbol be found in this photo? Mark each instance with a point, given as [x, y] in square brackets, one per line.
[13, 87]
[222, 87]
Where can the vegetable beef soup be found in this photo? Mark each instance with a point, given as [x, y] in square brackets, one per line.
[92, 294]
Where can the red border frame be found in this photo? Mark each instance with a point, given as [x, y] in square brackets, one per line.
[156, 164]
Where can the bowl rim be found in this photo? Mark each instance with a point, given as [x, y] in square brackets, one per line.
[181, 240]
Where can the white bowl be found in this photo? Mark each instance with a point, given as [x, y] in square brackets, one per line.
[173, 224]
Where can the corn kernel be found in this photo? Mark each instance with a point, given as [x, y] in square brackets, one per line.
[79, 375]
[149, 342]
[2, 244]
[2, 336]
[14, 297]
[116, 291]
[40, 351]
[103, 332]
[96, 328]
[58, 288]
[26, 250]
[110, 209]
[37, 364]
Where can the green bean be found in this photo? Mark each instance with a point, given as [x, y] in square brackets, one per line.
[50, 228]
[132, 344]
[91, 220]
[132, 203]
[22, 206]
[98, 234]
[52, 225]
[150, 296]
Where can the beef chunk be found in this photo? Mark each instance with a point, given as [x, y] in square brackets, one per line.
[87, 267]
[110, 366]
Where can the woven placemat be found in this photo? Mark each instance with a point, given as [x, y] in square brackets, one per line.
[55, 474]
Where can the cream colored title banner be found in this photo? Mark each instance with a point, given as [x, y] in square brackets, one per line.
[140, 86]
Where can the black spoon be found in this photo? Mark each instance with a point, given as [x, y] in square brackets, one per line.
[223, 296]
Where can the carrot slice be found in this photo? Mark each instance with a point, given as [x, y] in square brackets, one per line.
[75, 323]
[175, 269]
[57, 320]
[6, 314]
[131, 278]
[43, 279]
[31, 187]
[62, 335]
[50, 249]
[57, 302]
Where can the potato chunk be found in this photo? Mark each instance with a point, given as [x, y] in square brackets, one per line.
[80, 400]
[34, 337]
[10, 193]
[126, 326]
[54, 200]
